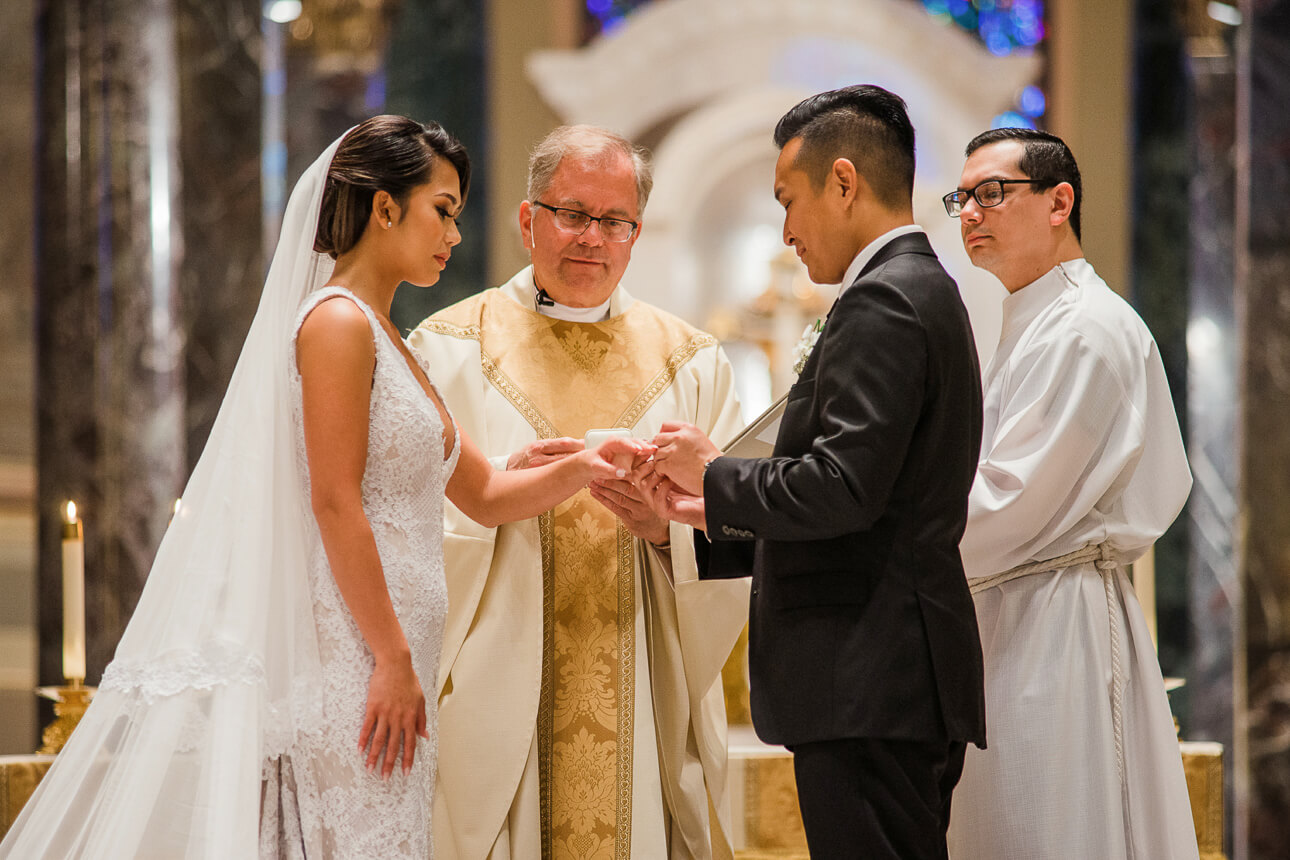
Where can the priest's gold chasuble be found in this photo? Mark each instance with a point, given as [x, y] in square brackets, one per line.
[567, 378]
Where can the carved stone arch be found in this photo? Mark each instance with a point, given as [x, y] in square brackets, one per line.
[672, 56]
[714, 77]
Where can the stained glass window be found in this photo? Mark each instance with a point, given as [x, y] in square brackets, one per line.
[1004, 27]
[603, 16]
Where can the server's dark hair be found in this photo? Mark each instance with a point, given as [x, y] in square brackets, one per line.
[1045, 158]
[864, 124]
[385, 153]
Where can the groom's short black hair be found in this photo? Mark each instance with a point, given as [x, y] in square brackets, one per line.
[864, 124]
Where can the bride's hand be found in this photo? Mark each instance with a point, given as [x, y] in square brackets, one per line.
[396, 715]
[615, 458]
[543, 451]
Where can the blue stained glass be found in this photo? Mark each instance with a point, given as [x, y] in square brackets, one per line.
[604, 16]
[1002, 25]
[1011, 119]
[1032, 101]
[999, 44]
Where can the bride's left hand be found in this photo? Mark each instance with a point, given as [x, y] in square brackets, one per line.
[615, 458]
[395, 717]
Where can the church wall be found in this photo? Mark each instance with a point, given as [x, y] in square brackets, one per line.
[17, 442]
[517, 116]
[1090, 93]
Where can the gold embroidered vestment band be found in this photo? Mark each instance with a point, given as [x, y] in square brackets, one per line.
[566, 378]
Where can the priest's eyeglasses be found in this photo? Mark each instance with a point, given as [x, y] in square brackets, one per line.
[576, 222]
[987, 194]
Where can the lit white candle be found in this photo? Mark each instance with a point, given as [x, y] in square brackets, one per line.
[73, 597]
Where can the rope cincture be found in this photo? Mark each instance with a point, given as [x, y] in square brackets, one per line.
[1100, 555]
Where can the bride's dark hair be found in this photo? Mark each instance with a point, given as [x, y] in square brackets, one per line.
[385, 153]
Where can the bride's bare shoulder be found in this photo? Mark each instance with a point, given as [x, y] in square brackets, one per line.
[336, 329]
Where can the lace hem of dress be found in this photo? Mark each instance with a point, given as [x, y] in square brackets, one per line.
[217, 664]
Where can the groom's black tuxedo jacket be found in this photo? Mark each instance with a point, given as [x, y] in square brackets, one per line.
[861, 624]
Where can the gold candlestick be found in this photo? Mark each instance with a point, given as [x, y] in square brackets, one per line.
[70, 702]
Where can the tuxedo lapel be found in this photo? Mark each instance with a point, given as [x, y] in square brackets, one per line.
[910, 243]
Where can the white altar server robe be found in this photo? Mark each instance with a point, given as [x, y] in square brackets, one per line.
[1080, 447]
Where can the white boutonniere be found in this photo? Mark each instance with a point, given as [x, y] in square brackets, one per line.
[802, 351]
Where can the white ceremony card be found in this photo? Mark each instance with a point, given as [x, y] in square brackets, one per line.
[758, 438]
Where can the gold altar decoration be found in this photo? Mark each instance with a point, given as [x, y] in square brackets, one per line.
[70, 703]
[766, 823]
[773, 320]
[19, 776]
[1203, 766]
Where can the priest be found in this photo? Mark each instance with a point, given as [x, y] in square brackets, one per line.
[581, 712]
[1082, 468]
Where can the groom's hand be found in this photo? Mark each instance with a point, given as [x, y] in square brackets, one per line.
[667, 500]
[683, 451]
[625, 502]
[543, 451]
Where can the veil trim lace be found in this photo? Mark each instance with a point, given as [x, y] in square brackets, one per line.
[218, 672]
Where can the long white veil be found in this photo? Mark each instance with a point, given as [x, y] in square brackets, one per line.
[218, 669]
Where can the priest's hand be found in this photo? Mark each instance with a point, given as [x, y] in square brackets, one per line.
[543, 451]
[668, 500]
[626, 502]
[683, 451]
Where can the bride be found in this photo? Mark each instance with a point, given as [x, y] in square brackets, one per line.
[267, 696]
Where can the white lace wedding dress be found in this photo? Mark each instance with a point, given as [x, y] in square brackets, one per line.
[239, 686]
[320, 800]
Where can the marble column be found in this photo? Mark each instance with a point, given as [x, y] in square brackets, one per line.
[1239, 351]
[220, 166]
[1263, 275]
[1212, 441]
[449, 85]
[1160, 212]
[110, 414]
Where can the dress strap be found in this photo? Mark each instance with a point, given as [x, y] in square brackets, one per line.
[317, 297]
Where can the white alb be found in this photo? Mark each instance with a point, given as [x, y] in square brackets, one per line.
[1080, 449]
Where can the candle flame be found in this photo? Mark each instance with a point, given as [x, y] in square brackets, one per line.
[175, 510]
[71, 512]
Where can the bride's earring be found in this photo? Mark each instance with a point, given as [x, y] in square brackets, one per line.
[389, 223]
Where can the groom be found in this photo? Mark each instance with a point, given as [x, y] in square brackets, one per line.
[863, 648]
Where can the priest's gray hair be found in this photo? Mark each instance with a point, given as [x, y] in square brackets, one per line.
[591, 144]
